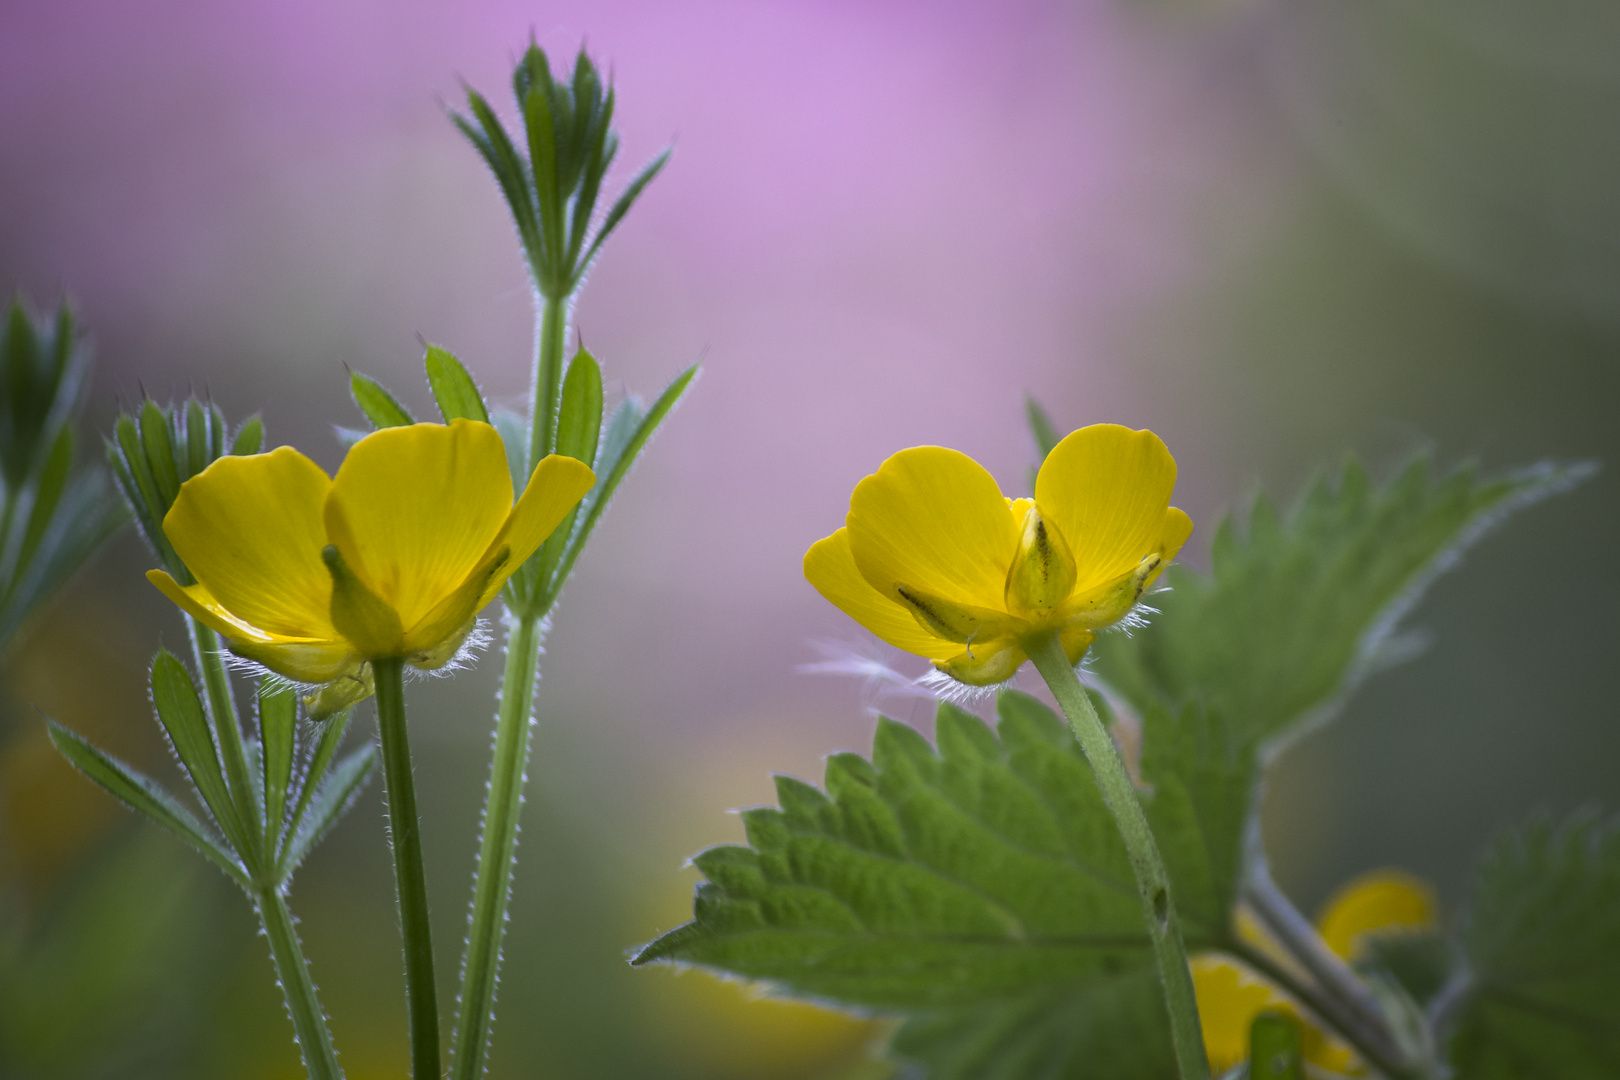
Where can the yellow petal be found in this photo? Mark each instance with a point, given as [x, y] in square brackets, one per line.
[934, 520]
[830, 567]
[303, 659]
[249, 528]
[414, 509]
[1383, 900]
[555, 487]
[1106, 488]
[1229, 998]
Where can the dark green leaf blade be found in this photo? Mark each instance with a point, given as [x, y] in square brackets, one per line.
[180, 711]
[378, 404]
[454, 390]
[986, 871]
[140, 793]
[579, 420]
[278, 724]
[1301, 607]
[1543, 946]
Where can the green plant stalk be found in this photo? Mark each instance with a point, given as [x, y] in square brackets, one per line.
[1164, 927]
[551, 330]
[497, 854]
[308, 1019]
[410, 883]
[205, 648]
[1370, 1044]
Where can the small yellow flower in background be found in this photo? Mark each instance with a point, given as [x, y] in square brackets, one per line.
[934, 560]
[393, 557]
[1230, 996]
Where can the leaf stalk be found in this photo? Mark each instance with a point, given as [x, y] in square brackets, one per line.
[303, 1007]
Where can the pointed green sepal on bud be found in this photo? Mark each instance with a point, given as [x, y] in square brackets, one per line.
[359, 614]
[157, 449]
[1043, 572]
[339, 694]
[1110, 603]
[985, 665]
[950, 619]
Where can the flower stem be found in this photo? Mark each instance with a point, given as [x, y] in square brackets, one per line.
[1152, 883]
[421, 996]
[205, 648]
[308, 1019]
[551, 331]
[497, 854]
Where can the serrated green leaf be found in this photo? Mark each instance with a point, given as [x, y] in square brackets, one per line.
[378, 404]
[337, 792]
[986, 870]
[1543, 947]
[1112, 1028]
[145, 795]
[1299, 608]
[249, 437]
[454, 389]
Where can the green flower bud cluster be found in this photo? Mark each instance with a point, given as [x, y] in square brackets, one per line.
[158, 448]
[51, 520]
[553, 193]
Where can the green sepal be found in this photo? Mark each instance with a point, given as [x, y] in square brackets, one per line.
[145, 795]
[359, 614]
[454, 390]
[378, 404]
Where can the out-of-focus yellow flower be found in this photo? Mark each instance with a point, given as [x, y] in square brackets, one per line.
[934, 560]
[393, 557]
[1230, 995]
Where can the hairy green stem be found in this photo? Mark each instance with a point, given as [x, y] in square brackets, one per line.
[206, 650]
[551, 332]
[1329, 1012]
[497, 852]
[1355, 1002]
[421, 995]
[1152, 883]
[308, 1019]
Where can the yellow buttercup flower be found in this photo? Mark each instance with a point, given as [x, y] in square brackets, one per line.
[934, 560]
[392, 557]
[1230, 995]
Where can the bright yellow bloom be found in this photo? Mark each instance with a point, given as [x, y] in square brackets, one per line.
[1230, 995]
[934, 560]
[393, 557]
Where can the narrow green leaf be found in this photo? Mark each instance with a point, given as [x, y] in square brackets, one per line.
[453, 388]
[86, 517]
[1041, 427]
[328, 735]
[606, 484]
[249, 437]
[337, 792]
[143, 794]
[622, 206]
[579, 420]
[1543, 949]
[538, 124]
[198, 439]
[378, 404]
[1301, 607]
[180, 710]
[1276, 1048]
[52, 483]
[216, 432]
[155, 437]
[495, 145]
[278, 729]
